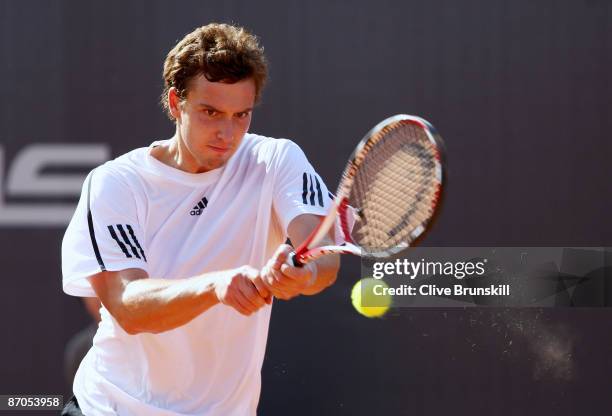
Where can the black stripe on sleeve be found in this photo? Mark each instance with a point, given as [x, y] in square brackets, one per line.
[131, 231]
[127, 240]
[330, 195]
[312, 193]
[121, 245]
[201, 205]
[319, 193]
[92, 233]
[304, 187]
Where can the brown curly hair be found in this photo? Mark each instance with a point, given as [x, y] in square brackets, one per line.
[220, 52]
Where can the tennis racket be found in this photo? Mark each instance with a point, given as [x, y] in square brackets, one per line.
[392, 188]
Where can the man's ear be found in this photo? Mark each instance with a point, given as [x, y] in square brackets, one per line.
[174, 103]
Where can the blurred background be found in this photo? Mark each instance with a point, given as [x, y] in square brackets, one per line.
[521, 91]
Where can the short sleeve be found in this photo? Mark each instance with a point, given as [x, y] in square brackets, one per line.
[298, 188]
[104, 233]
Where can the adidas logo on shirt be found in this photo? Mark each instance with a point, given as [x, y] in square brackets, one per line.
[197, 210]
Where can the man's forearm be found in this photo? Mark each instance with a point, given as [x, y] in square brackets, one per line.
[158, 305]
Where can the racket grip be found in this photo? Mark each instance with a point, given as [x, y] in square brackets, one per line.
[293, 260]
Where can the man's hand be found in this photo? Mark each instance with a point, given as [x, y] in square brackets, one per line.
[285, 281]
[243, 290]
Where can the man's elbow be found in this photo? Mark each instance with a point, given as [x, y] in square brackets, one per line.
[125, 321]
[125, 318]
[134, 327]
[130, 330]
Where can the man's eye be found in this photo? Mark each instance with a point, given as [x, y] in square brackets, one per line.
[244, 114]
[210, 113]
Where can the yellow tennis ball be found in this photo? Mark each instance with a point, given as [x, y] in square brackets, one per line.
[369, 302]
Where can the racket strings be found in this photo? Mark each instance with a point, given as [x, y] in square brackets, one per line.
[395, 188]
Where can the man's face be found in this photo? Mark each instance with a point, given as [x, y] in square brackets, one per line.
[212, 121]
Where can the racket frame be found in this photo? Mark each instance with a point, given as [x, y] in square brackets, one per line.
[307, 251]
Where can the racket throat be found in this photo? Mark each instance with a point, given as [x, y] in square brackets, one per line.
[315, 253]
[319, 233]
[344, 224]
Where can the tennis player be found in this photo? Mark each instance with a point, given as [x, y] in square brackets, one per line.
[182, 242]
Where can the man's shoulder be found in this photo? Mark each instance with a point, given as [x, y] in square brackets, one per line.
[267, 148]
[127, 166]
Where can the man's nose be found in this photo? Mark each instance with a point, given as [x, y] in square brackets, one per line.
[226, 130]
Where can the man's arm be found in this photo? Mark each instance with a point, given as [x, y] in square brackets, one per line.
[285, 281]
[142, 304]
[93, 307]
[327, 266]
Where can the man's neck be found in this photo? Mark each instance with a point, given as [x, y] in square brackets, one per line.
[174, 154]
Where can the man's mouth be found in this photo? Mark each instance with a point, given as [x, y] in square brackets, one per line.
[218, 149]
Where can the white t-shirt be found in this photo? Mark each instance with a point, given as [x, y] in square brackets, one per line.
[136, 212]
